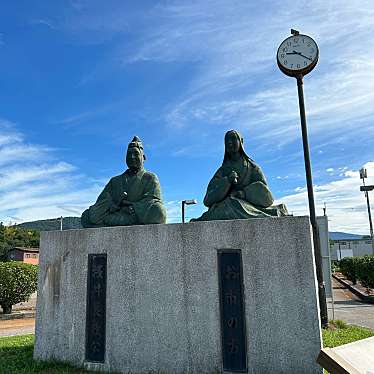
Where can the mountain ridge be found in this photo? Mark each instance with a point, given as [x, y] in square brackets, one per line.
[70, 223]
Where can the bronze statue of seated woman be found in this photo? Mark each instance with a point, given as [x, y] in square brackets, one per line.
[238, 189]
[132, 198]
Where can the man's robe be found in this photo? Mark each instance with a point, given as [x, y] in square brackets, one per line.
[143, 203]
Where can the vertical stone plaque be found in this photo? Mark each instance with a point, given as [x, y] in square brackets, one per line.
[96, 307]
[233, 331]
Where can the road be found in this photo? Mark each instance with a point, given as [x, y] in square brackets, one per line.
[14, 327]
[348, 308]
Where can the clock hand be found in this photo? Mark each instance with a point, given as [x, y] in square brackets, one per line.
[305, 56]
[291, 53]
[300, 54]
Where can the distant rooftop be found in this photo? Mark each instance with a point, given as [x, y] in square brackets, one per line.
[25, 249]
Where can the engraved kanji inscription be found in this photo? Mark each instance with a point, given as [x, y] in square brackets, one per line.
[230, 298]
[234, 345]
[232, 323]
[96, 307]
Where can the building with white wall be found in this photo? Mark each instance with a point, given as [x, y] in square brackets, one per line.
[350, 248]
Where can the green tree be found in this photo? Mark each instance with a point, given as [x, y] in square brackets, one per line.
[17, 282]
[13, 236]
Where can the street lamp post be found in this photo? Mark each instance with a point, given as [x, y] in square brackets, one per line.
[187, 202]
[366, 189]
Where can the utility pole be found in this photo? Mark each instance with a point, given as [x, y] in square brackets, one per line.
[366, 189]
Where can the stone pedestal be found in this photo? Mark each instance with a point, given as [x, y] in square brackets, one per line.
[162, 306]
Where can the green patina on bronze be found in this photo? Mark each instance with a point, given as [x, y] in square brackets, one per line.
[238, 189]
[132, 198]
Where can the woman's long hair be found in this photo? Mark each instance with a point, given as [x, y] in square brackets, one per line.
[241, 148]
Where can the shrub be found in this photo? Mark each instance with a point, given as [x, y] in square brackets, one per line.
[348, 267]
[359, 268]
[335, 266]
[365, 271]
[17, 282]
[338, 323]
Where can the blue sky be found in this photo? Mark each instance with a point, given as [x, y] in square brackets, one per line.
[80, 78]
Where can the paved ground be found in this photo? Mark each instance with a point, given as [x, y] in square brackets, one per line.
[17, 327]
[348, 308]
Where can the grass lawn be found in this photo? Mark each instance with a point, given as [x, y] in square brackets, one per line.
[16, 357]
[16, 352]
[340, 333]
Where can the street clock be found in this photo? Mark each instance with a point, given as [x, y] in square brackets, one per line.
[297, 55]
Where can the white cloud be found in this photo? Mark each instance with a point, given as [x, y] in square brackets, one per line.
[9, 138]
[43, 22]
[300, 189]
[352, 174]
[32, 187]
[33, 184]
[173, 211]
[13, 176]
[237, 80]
[231, 50]
[16, 152]
[229, 55]
[85, 116]
[346, 204]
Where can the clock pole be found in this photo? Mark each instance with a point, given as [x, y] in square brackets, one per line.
[312, 210]
[296, 60]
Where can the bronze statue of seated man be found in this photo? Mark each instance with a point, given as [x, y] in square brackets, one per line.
[239, 190]
[132, 198]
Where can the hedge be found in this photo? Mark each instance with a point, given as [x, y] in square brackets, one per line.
[359, 269]
[17, 282]
[365, 271]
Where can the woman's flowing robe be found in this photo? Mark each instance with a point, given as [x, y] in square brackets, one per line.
[257, 199]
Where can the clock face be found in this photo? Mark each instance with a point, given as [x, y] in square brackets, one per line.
[297, 55]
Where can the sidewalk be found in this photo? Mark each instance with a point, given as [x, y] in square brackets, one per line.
[20, 322]
[14, 327]
[349, 308]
